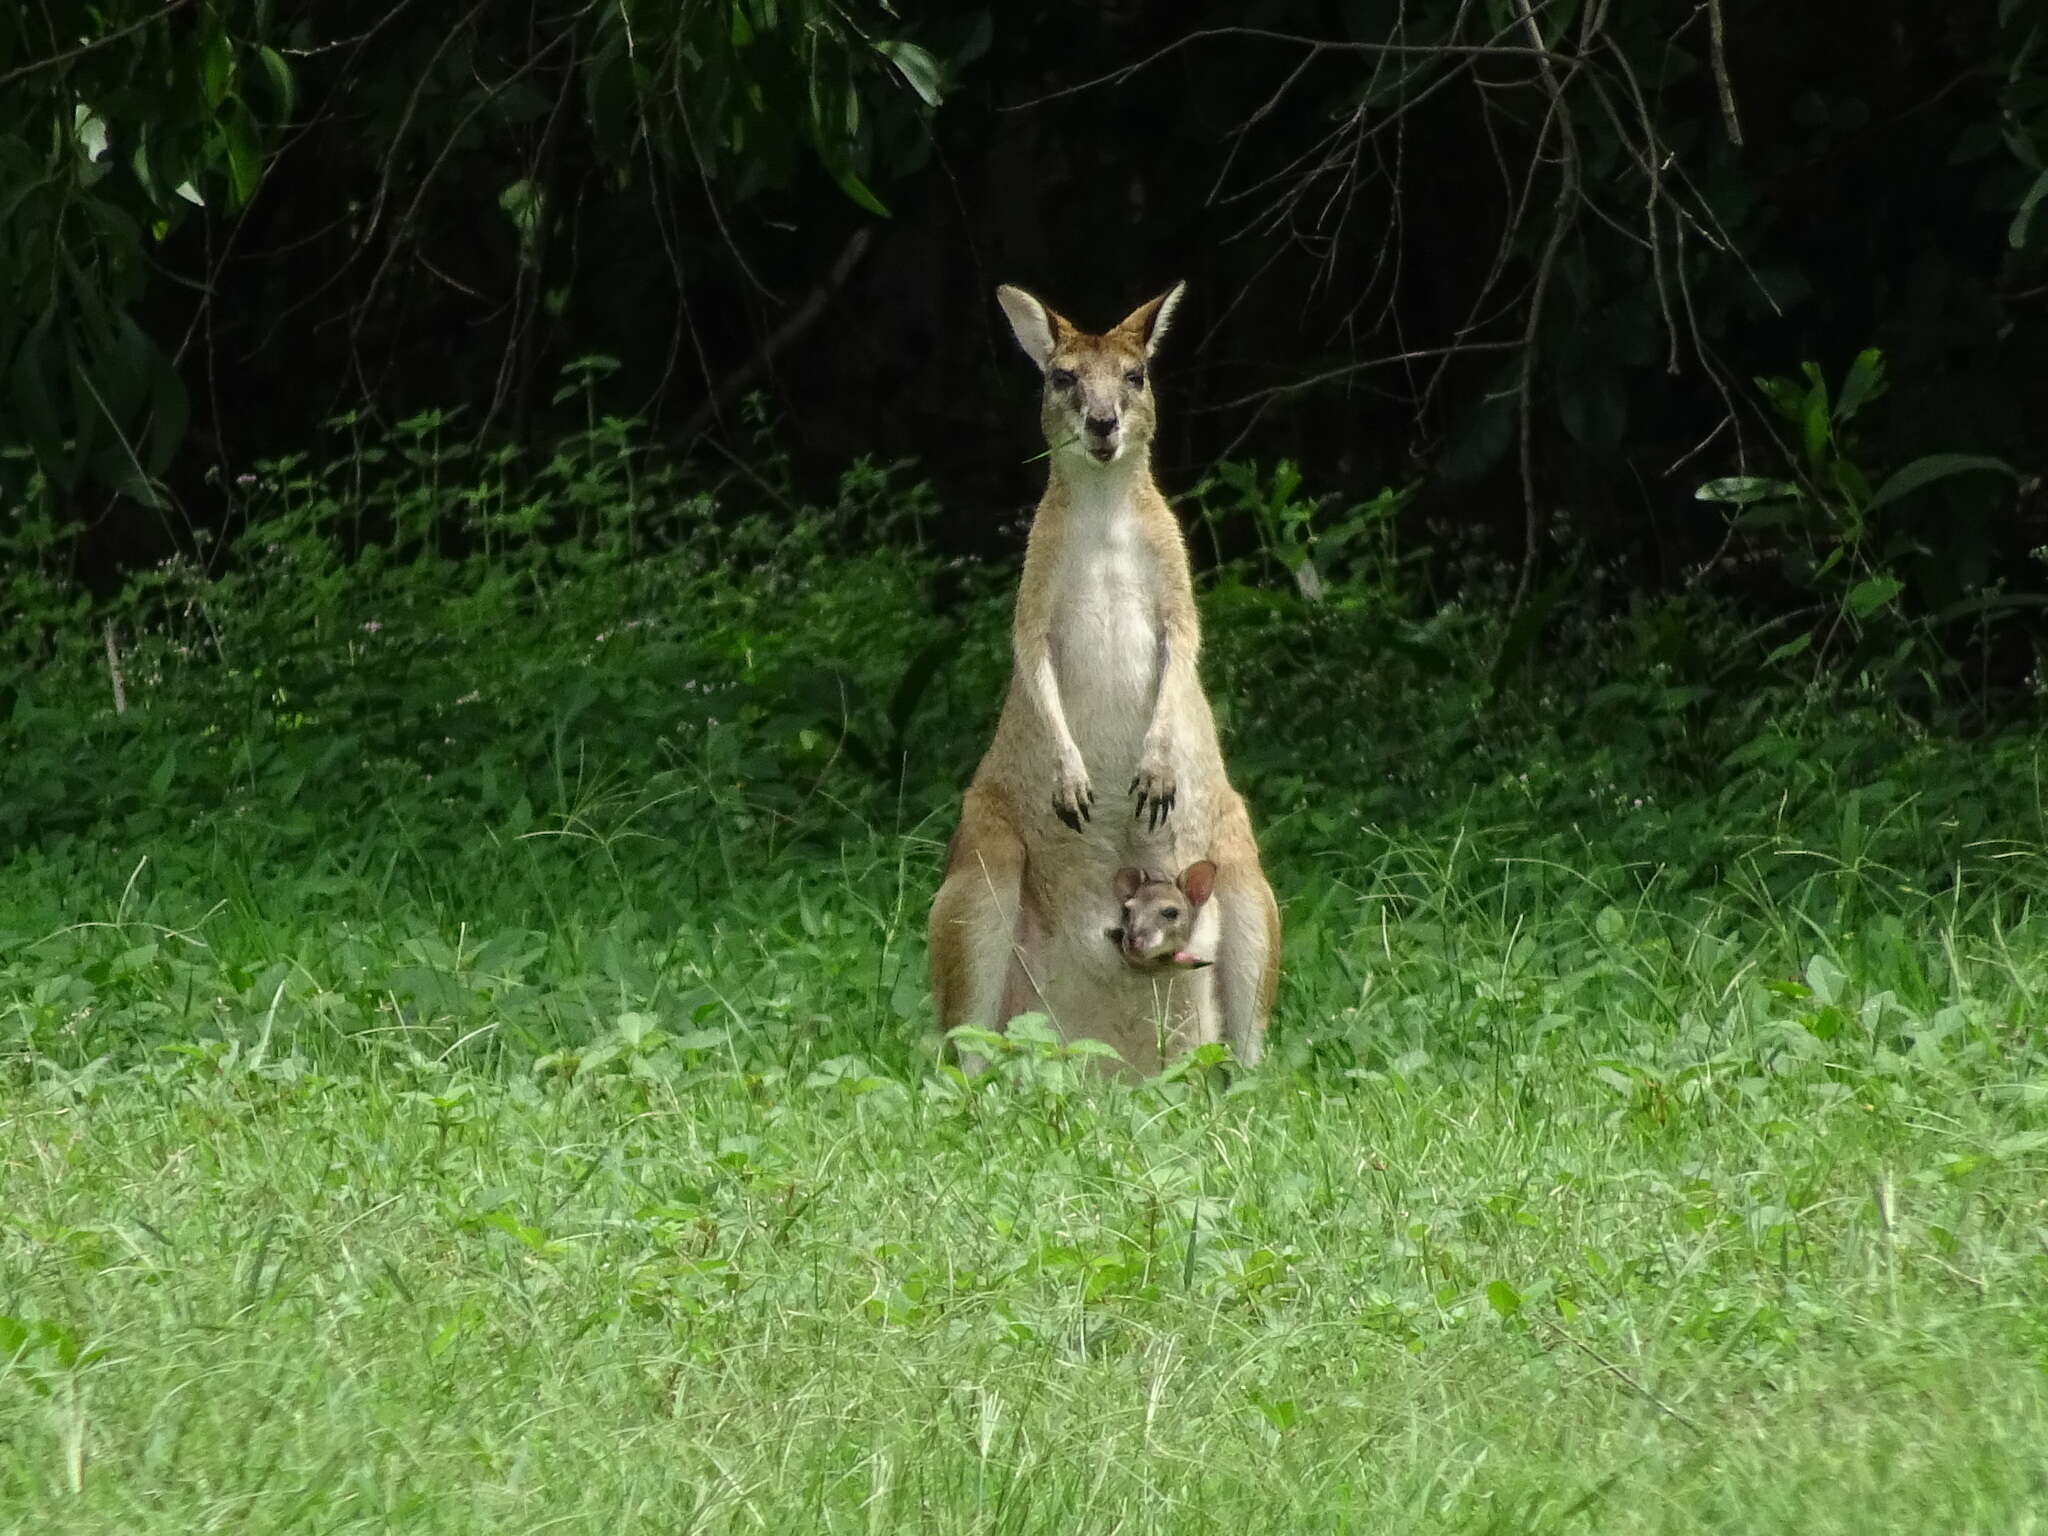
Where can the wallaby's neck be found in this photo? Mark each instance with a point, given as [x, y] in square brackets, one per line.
[1094, 490]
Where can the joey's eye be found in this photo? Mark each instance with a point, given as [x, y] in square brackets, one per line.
[1135, 378]
[1169, 913]
[1061, 378]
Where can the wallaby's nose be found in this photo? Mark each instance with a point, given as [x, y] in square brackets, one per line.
[1101, 426]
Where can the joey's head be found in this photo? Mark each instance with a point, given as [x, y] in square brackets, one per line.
[1159, 916]
[1098, 389]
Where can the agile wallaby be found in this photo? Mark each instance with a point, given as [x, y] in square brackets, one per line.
[1104, 690]
[1160, 913]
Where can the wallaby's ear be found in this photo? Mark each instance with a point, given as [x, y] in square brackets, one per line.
[1126, 883]
[1199, 881]
[1037, 328]
[1147, 323]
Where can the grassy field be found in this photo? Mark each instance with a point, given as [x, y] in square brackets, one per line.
[441, 1092]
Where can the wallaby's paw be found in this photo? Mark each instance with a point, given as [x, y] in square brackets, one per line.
[1072, 797]
[1154, 786]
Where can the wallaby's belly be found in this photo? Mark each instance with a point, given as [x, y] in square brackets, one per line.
[1080, 982]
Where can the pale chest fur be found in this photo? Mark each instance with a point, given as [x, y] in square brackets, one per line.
[1107, 626]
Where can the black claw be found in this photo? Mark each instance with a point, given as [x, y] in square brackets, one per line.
[1067, 816]
[1133, 790]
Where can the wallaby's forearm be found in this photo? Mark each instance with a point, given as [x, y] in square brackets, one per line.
[1179, 644]
[1073, 797]
[1042, 688]
[1156, 784]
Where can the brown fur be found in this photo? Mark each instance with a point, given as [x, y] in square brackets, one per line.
[1105, 694]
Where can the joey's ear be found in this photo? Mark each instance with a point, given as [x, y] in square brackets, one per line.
[1038, 329]
[1126, 883]
[1199, 881]
[1147, 323]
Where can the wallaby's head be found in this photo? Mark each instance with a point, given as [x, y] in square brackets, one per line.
[1098, 389]
[1159, 915]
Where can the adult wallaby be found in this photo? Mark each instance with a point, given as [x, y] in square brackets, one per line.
[1104, 692]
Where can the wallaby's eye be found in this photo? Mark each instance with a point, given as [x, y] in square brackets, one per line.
[1169, 913]
[1061, 378]
[1135, 378]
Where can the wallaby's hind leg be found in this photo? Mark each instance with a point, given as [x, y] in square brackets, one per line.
[973, 932]
[1248, 953]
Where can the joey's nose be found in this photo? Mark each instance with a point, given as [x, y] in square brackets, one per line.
[1101, 426]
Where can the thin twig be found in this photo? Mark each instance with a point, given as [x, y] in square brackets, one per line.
[803, 319]
[114, 671]
[148, 20]
[1296, 386]
[1124, 72]
[1722, 83]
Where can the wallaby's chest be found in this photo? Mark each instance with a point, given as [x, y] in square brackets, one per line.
[1106, 625]
[1106, 607]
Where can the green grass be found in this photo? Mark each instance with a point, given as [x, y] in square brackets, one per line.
[474, 1074]
[470, 1196]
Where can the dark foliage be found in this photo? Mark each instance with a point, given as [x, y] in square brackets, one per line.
[1531, 257]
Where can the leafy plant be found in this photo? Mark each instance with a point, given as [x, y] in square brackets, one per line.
[113, 140]
[1847, 545]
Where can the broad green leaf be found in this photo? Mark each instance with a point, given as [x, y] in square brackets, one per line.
[918, 67]
[1825, 977]
[2024, 217]
[216, 67]
[1865, 382]
[1935, 466]
[521, 200]
[1787, 398]
[1816, 422]
[245, 154]
[857, 189]
[90, 130]
[1742, 490]
[1796, 646]
[138, 162]
[1851, 482]
[282, 86]
[1869, 595]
